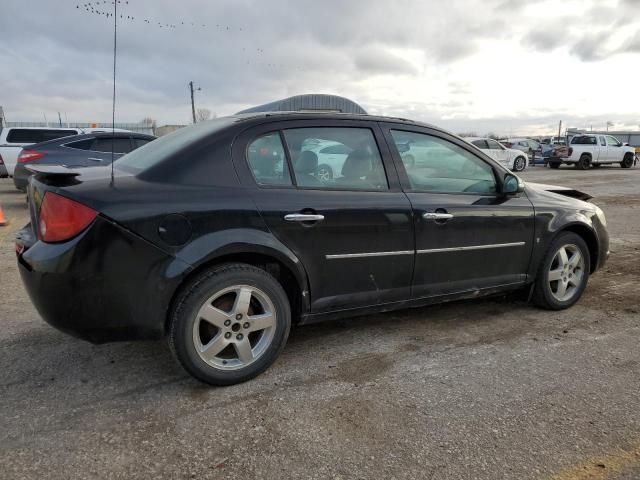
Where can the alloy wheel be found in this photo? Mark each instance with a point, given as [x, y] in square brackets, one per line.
[566, 273]
[234, 327]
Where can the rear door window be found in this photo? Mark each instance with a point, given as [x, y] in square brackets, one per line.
[36, 135]
[335, 158]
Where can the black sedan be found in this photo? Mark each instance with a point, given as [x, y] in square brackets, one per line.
[78, 151]
[222, 235]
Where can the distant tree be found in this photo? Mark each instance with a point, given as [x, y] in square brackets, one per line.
[468, 134]
[203, 114]
[493, 135]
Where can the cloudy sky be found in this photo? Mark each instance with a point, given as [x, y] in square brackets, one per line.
[504, 66]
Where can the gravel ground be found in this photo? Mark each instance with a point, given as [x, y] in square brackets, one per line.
[488, 389]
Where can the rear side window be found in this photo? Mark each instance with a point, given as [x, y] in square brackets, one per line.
[119, 145]
[36, 135]
[268, 161]
[584, 140]
[139, 142]
[481, 144]
[336, 158]
[80, 145]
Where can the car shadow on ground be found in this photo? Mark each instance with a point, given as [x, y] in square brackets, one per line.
[45, 358]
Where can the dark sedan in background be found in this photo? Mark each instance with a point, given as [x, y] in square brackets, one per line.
[90, 150]
[222, 235]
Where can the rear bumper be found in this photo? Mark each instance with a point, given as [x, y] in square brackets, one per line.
[104, 285]
[21, 177]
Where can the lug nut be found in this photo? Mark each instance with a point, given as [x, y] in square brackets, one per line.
[246, 325]
[239, 336]
[239, 316]
[227, 335]
[227, 323]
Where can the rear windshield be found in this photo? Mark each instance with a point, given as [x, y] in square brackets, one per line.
[36, 135]
[153, 153]
[584, 140]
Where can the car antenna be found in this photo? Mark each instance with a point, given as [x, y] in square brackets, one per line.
[113, 109]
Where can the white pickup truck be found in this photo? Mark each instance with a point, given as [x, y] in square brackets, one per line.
[587, 150]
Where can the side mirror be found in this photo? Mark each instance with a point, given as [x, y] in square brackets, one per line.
[512, 185]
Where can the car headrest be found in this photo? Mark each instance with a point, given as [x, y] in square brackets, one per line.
[357, 165]
[307, 162]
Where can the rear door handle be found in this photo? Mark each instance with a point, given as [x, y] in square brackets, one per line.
[93, 159]
[303, 217]
[437, 216]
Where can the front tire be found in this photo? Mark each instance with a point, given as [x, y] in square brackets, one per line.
[627, 162]
[229, 324]
[563, 273]
[324, 173]
[519, 164]
[554, 164]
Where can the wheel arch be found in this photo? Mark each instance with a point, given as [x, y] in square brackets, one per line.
[279, 262]
[590, 237]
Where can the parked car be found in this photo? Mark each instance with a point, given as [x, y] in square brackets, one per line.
[331, 157]
[589, 150]
[14, 139]
[77, 151]
[3, 169]
[555, 150]
[508, 157]
[526, 145]
[220, 236]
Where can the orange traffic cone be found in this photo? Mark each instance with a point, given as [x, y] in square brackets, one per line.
[3, 221]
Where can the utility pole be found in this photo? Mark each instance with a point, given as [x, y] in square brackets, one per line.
[59, 120]
[559, 129]
[193, 105]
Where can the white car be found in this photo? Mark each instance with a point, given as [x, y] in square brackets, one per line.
[331, 158]
[588, 150]
[510, 158]
[14, 139]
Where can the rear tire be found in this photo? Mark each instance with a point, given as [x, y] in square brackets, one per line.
[229, 324]
[627, 162]
[584, 163]
[562, 278]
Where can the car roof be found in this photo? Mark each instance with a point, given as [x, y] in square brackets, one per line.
[242, 117]
[86, 136]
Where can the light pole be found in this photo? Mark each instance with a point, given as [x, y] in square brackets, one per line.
[193, 105]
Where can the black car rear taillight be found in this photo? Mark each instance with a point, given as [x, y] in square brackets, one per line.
[62, 218]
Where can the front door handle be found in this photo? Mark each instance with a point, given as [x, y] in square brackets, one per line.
[437, 216]
[93, 159]
[303, 217]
